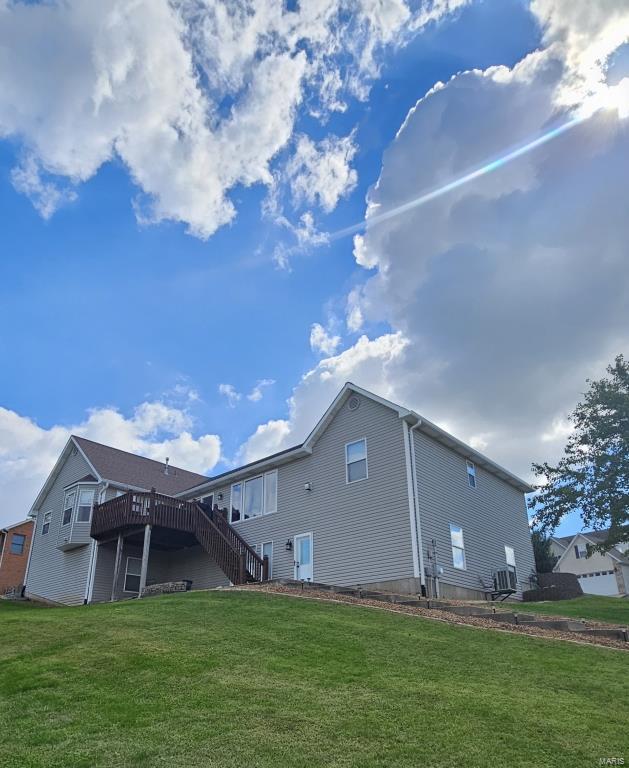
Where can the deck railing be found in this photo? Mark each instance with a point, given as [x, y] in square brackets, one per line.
[234, 556]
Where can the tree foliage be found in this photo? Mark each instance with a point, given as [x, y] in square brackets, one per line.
[545, 561]
[593, 475]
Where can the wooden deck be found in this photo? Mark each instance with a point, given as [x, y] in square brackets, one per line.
[134, 510]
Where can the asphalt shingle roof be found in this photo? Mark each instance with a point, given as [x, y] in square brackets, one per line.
[130, 469]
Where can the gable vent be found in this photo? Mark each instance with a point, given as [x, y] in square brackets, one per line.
[353, 403]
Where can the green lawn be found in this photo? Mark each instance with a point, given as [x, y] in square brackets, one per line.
[246, 680]
[612, 609]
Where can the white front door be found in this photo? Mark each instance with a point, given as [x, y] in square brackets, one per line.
[303, 557]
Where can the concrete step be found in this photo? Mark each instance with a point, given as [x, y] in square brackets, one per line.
[560, 625]
[465, 610]
[613, 633]
[505, 617]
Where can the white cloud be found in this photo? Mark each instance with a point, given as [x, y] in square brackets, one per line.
[45, 196]
[506, 294]
[367, 363]
[28, 452]
[257, 392]
[322, 341]
[195, 97]
[230, 392]
[320, 173]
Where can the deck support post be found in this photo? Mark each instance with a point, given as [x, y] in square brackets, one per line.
[145, 558]
[242, 568]
[265, 568]
[117, 567]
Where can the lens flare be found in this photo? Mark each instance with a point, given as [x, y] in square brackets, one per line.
[494, 165]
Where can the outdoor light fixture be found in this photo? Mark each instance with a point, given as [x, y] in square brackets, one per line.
[289, 545]
[307, 486]
[220, 497]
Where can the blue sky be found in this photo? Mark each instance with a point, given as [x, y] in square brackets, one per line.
[102, 312]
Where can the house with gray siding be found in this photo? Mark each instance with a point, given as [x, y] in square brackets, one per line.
[376, 495]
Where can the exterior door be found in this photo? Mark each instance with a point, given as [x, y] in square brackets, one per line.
[303, 557]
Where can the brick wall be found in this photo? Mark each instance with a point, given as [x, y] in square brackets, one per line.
[13, 567]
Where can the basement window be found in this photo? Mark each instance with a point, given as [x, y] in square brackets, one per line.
[458, 547]
[132, 574]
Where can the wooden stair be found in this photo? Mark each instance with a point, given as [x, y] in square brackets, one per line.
[238, 561]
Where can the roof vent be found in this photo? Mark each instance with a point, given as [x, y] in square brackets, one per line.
[353, 403]
[166, 472]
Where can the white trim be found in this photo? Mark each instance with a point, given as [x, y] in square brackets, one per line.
[347, 462]
[91, 570]
[303, 536]
[126, 573]
[411, 499]
[15, 525]
[30, 552]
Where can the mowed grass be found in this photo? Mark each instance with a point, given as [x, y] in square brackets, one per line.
[243, 679]
[614, 610]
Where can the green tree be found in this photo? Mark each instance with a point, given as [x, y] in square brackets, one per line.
[593, 475]
[545, 561]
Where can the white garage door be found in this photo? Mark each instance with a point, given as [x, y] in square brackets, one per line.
[605, 584]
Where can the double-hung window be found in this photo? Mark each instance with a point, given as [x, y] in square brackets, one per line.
[132, 574]
[46, 523]
[254, 497]
[68, 507]
[17, 544]
[356, 461]
[458, 547]
[86, 500]
[510, 558]
[580, 552]
[471, 474]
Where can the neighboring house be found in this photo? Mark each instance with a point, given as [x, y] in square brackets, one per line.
[376, 495]
[599, 573]
[15, 544]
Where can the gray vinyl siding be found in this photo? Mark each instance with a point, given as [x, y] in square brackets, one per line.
[491, 515]
[192, 563]
[361, 531]
[54, 574]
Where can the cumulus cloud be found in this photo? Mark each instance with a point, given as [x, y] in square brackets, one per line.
[195, 97]
[505, 294]
[322, 341]
[28, 452]
[320, 173]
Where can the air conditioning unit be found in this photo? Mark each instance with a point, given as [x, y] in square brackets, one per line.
[505, 579]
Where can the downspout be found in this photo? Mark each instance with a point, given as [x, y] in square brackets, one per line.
[414, 495]
[5, 535]
[35, 519]
[420, 545]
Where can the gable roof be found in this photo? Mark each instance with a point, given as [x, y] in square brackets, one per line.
[6, 528]
[112, 465]
[414, 420]
[116, 466]
[592, 537]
